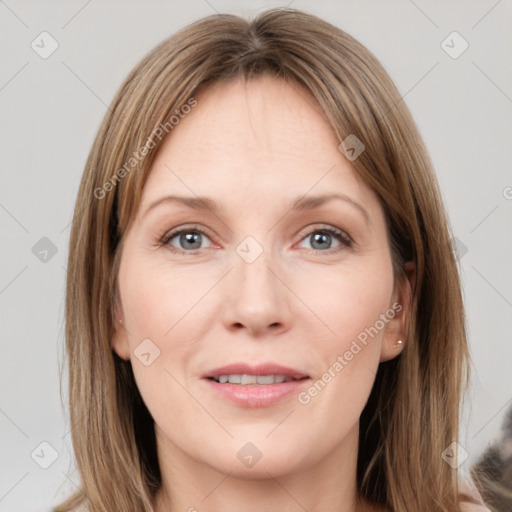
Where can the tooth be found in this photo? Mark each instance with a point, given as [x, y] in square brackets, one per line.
[247, 379]
[267, 379]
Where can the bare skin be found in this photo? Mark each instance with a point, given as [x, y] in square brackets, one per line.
[255, 148]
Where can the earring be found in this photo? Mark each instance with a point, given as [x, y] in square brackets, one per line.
[398, 343]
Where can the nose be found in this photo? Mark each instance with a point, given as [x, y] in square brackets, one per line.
[257, 299]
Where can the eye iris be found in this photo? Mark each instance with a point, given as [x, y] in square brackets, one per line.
[191, 237]
[320, 238]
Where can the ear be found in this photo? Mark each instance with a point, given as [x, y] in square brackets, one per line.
[120, 343]
[396, 329]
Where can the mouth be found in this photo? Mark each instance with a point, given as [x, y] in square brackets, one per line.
[258, 374]
[248, 380]
[255, 386]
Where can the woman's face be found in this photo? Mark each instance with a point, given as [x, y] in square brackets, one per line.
[264, 273]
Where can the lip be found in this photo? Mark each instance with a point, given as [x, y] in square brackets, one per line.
[256, 395]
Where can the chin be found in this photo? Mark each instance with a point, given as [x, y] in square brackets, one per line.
[258, 458]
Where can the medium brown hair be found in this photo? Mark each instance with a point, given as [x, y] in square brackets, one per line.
[412, 414]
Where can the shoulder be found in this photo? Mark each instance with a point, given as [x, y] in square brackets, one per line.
[466, 506]
[471, 500]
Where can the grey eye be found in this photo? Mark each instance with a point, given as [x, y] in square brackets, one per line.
[187, 240]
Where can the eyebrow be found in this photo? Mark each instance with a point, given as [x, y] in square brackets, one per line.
[300, 204]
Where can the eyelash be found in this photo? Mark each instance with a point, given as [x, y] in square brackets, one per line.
[344, 239]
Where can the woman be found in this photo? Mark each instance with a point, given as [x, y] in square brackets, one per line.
[308, 349]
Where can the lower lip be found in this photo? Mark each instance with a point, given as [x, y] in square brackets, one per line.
[257, 395]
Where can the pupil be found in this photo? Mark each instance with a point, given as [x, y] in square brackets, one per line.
[321, 238]
[189, 238]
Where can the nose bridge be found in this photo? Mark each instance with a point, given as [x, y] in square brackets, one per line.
[257, 298]
[256, 282]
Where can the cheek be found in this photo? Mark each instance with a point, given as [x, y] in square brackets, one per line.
[347, 299]
[166, 305]
[350, 302]
[159, 306]
[156, 299]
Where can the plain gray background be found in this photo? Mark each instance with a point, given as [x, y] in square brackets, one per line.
[52, 107]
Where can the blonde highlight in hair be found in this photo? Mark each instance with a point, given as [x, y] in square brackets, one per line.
[412, 414]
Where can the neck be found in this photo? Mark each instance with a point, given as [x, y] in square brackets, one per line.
[192, 485]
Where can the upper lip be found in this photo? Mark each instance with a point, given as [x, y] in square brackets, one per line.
[258, 369]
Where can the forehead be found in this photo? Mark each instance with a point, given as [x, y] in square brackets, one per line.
[259, 140]
[263, 118]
